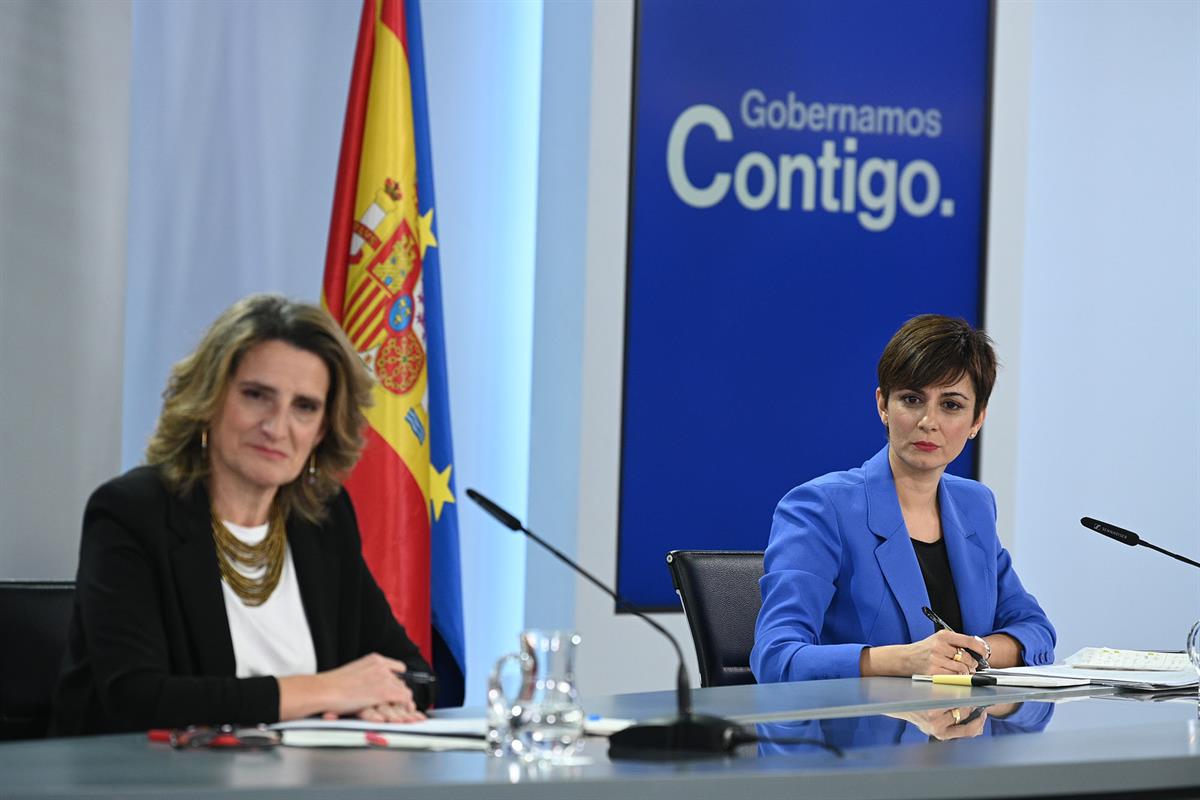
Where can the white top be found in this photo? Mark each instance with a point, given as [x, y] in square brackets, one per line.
[271, 639]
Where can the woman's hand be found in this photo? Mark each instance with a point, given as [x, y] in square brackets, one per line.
[1006, 652]
[386, 712]
[369, 687]
[944, 724]
[943, 653]
[368, 682]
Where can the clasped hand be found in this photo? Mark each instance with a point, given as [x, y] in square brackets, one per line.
[369, 688]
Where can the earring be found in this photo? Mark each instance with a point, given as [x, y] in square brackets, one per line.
[312, 467]
[204, 441]
[973, 434]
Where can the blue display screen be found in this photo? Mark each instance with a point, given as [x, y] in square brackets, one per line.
[805, 177]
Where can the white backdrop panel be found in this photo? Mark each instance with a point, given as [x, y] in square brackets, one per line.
[1110, 358]
[236, 124]
[64, 133]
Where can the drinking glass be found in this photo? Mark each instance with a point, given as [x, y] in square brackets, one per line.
[1193, 651]
[542, 720]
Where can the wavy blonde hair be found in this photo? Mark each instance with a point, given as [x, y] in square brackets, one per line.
[198, 383]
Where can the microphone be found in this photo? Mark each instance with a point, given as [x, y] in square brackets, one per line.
[1130, 538]
[1111, 531]
[686, 735]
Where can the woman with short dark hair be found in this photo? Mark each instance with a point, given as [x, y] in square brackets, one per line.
[223, 582]
[854, 557]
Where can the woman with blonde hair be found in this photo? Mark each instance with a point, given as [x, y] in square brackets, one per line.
[223, 582]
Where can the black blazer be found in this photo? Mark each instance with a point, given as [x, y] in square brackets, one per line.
[149, 644]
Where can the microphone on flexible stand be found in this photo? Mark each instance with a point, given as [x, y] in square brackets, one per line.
[1129, 537]
[686, 735]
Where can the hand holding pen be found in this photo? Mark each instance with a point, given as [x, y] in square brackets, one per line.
[940, 625]
[943, 653]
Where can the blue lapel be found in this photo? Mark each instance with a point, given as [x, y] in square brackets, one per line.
[968, 565]
[895, 555]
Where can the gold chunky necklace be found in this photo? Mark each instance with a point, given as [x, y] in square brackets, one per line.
[266, 554]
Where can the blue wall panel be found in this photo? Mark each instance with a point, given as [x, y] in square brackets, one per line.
[805, 177]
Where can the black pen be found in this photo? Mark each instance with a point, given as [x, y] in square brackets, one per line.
[941, 625]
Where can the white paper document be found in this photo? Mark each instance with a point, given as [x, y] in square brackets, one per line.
[340, 737]
[1024, 681]
[1137, 660]
[435, 733]
[472, 727]
[1123, 679]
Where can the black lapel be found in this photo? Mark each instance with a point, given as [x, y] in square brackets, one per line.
[316, 571]
[198, 583]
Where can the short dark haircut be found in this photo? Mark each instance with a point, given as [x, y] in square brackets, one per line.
[934, 350]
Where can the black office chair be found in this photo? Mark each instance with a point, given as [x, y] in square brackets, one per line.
[719, 592]
[34, 617]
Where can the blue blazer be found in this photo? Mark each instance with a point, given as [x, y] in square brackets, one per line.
[879, 730]
[841, 575]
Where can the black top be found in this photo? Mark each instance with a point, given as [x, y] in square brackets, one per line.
[149, 644]
[935, 567]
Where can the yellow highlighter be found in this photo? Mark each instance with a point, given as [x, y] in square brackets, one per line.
[965, 680]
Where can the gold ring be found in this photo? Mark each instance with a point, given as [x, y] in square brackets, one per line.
[957, 716]
[958, 654]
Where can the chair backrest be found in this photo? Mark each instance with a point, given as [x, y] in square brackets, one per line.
[34, 617]
[719, 592]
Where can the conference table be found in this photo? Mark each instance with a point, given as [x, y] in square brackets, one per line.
[1085, 741]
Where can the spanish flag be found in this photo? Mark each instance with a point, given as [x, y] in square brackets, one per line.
[383, 285]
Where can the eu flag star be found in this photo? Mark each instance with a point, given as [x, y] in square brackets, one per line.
[426, 232]
[439, 489]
